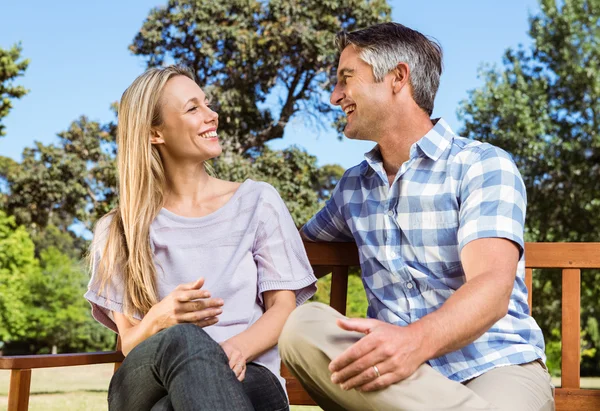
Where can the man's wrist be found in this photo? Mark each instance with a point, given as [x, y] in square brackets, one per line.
[427, 342]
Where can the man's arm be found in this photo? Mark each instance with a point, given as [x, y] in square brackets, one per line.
[329, 223]
[490, 265]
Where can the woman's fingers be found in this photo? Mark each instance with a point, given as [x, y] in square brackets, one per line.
[185, 296]
[194, 285]
[207, 322]
[197, 316]
[201, 304]
[242, 374]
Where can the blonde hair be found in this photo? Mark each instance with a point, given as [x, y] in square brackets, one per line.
[142, 181]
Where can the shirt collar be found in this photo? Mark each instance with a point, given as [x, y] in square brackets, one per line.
[436, 141]
[433, 144]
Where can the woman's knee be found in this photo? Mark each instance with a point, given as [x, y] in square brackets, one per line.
[185, 336]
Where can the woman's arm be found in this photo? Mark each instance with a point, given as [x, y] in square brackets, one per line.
[263, 334]
[188, 303]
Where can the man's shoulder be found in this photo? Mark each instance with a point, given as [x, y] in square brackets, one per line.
[352, 177]
[469, 151]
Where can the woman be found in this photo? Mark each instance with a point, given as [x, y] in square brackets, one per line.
[196, 274]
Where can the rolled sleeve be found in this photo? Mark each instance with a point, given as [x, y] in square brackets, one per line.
[281, 260]
[108, 297]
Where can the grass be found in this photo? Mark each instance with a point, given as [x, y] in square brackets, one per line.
[72, 389]
[85, 388]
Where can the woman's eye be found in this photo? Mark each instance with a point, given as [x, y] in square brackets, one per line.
[193, 109]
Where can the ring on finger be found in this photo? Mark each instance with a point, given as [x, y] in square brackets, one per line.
[376, 371]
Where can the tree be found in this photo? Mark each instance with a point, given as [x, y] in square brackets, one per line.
[10, 68]
[245, 52]
[65, 183]
[17, 264]
[543, 107]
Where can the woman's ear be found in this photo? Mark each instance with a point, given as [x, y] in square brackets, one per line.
[156, 137]
[401, 74]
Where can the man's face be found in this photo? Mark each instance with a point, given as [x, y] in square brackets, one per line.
[366, 103]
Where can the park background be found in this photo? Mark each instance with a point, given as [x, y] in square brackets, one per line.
[523, 75]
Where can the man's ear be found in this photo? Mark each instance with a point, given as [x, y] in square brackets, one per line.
[401, 75]
[156, 137]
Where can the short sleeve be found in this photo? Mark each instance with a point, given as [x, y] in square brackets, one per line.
[281, 260]
[103, 301]
[329, 223]
[492, 199]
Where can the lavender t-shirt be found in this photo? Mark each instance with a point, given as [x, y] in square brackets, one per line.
[248, 246]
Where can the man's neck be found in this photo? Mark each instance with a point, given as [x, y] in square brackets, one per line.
[395, 145]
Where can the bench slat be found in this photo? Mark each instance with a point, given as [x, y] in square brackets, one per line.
[529, 285]
[571, 303]
[562, 255]
[339, 289]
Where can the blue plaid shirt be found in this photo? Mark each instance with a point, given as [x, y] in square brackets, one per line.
[409, 235]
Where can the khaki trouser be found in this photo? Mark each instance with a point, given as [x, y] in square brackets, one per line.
[311, 339]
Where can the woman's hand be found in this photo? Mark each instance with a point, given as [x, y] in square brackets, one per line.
[188, 303]
[237, 359]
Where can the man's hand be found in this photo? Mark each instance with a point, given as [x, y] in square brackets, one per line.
[396, 351]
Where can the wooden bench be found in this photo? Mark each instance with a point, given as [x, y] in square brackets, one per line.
[570, 257]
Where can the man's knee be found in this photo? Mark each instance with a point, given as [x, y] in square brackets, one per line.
[300, 322]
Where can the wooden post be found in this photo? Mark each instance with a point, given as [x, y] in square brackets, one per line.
[571, 347]
[339, 289]
[18, 393]
[529, 285]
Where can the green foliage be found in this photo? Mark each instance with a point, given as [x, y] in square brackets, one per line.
[10, 68]
[543, 107]
[17, 266]
[72, 181]
[244, 50]
[41, 301]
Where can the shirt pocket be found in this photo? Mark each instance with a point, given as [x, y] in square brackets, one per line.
[430, 238]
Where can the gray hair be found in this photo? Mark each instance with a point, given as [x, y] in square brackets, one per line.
[383, 46]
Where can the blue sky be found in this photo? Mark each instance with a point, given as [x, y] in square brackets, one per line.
[80, 62]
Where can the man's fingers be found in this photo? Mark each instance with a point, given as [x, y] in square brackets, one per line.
[362, 325]
[379, 383]
[357, 350]
[367, 375]
[359, 367]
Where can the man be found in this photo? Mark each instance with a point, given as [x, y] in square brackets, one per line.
[438, 221]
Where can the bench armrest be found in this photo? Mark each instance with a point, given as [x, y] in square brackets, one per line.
[59, 360]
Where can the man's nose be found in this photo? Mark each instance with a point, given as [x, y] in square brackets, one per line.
[336, 96]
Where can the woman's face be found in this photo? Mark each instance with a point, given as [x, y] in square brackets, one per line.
[189, 129]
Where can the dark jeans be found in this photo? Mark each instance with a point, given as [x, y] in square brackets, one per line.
[182, 368]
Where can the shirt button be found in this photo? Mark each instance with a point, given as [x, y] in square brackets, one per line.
[390, 213]
[409, 286]
[393, 254]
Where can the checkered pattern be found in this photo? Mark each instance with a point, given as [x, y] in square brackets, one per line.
[450, 192]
